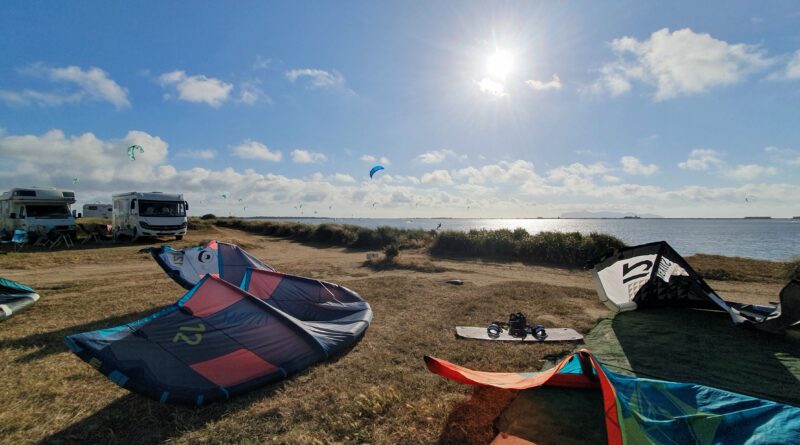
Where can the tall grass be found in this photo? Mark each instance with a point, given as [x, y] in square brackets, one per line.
[335, 234]
[561, 249]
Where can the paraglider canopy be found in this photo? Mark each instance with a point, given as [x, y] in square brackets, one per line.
[374, 170]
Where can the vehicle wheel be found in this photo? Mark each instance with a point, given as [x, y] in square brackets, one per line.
[178, 237]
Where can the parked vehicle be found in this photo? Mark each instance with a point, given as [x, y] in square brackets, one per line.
[97, 210]
[37, 210]
[149, 214]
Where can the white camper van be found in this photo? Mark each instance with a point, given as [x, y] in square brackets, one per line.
[37, 210]
[97, 211]
[138, 214]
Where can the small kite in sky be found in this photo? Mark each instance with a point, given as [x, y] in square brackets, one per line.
[374, 170]
[74, 180]
[224, 196]
[132, 151]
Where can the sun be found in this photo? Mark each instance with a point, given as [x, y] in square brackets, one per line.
[500, 64]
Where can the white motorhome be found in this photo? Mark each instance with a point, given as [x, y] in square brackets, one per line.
[137, 214]
[97, 211]
[37, 210]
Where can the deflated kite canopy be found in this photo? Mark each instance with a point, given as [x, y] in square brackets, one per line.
[639, 410]
[223, 260]
[654, 275]
[15, 297]
[220, 340]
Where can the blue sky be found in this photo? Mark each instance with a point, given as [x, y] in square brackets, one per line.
[478, 109]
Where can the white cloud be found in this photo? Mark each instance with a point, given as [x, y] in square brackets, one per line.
[300, 156]
[437, 177]
[92, 83]
[436, 156]
[633, 166]
[492, 87]
[702, 160]
[709, 160]
[343, 177]
[791, 71]
[205, 154]
[262, 63]
[318, 79]
[678, 63]
[539, 85]
[53, 159]
[197, 88]
[783, 155]
[250, 93]
[749, 172]
[576, 169]
[250, 149]
[372, 159]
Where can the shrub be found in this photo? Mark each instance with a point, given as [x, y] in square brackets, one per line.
[562, 249]
[209, 216]
[391, 251]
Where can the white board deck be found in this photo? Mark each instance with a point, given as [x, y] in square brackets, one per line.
[553, 334]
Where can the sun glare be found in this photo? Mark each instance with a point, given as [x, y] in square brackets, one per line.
[499, 64]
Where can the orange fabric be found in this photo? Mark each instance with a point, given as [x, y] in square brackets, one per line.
[515, 380]
[212, 244]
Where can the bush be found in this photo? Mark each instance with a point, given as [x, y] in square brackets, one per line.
[391, 251]
[209, 216]
[561, 249]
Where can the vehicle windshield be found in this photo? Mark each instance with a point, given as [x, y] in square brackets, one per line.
[47, 211]
[161, 208]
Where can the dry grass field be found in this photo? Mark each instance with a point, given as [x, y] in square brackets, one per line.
[380, 392]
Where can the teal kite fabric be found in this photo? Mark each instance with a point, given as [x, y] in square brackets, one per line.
[649, 411]
[15, 297]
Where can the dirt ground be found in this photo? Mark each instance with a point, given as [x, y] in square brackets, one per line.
[380, 392]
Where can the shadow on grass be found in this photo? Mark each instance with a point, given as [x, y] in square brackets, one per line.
[53, 342]
[135, 419]
[472, 421]
[702, 347]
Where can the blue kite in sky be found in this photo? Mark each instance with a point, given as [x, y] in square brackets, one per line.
[374, 170]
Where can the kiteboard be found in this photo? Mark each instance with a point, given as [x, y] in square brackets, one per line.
[553, 334]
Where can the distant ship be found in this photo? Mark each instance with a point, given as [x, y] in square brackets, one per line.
[796, 217]
[757, 217]
[631, 217]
